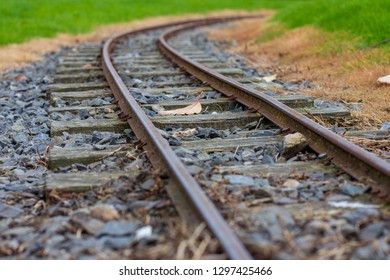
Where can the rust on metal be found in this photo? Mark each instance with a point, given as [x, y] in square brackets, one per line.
[354, 160]
[182, 187]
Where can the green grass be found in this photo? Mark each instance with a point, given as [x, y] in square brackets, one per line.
[21, 20]
[368, 20]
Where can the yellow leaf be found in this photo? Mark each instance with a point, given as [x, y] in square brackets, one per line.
[192, 109]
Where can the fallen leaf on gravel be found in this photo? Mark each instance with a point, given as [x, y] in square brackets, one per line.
[20, 78]
[192, 109]
[87, 66]
[269, 78]
[384, 80]
[104, 212]
[185, 133]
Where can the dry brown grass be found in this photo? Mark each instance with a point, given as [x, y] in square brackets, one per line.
[340, 71]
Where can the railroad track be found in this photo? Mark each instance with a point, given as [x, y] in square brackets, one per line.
[231, 166]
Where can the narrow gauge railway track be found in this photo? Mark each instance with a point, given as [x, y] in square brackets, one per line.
[246, 153]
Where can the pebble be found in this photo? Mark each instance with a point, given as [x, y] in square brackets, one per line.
[8, 211]
[385, 126]
[92, 226]
[240, 180]
[352, 190]
[338, 197]
[203, 156]
[104, 212]
[17, 231]
[118, 228]
[293, 144]
[270, 219]
[284, 200]
[363, 253]
[148, 184]
[361, 214]
[144, 232]
[194, 169]
[98, 147]
[116, 243]
[291, 183]
[372, 231]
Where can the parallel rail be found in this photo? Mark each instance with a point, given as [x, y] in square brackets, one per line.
[354, 160]
[183, 188]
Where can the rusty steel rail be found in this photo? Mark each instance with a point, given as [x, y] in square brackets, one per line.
[182, 188]
[353, 159]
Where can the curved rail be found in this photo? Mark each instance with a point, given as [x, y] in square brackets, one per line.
[354, 160]
[163, 157]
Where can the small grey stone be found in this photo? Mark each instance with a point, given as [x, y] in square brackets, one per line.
[372, 231]
[193, 169]
[174, 141]
[363, 253]
[216, 177]
[348, 231]
[18, 172]
[92, 226]
[7, 211]
[80, 166]
[21, 137]
[17, 231]
[306, 242]
[361, 214]
[267, 159]
[148, 184]
[338, 197]
[293, 144]
[98, 147]
[240, 180]
[247, 154]
[204, 156]
[284, 200]
[352, 190]
[261, 182]
[182, 152]
[117, 243]
[322, 156]
[118, 228]
[54, 240]
[316, 227]
[385, 126]
[270, 217]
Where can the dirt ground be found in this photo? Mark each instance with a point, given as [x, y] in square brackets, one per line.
[339, 71]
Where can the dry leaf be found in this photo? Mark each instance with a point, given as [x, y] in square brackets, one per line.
[269, 78]
[185, 133]
[87, 66]
[192, 109]
[20, 78]
[384, 80]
